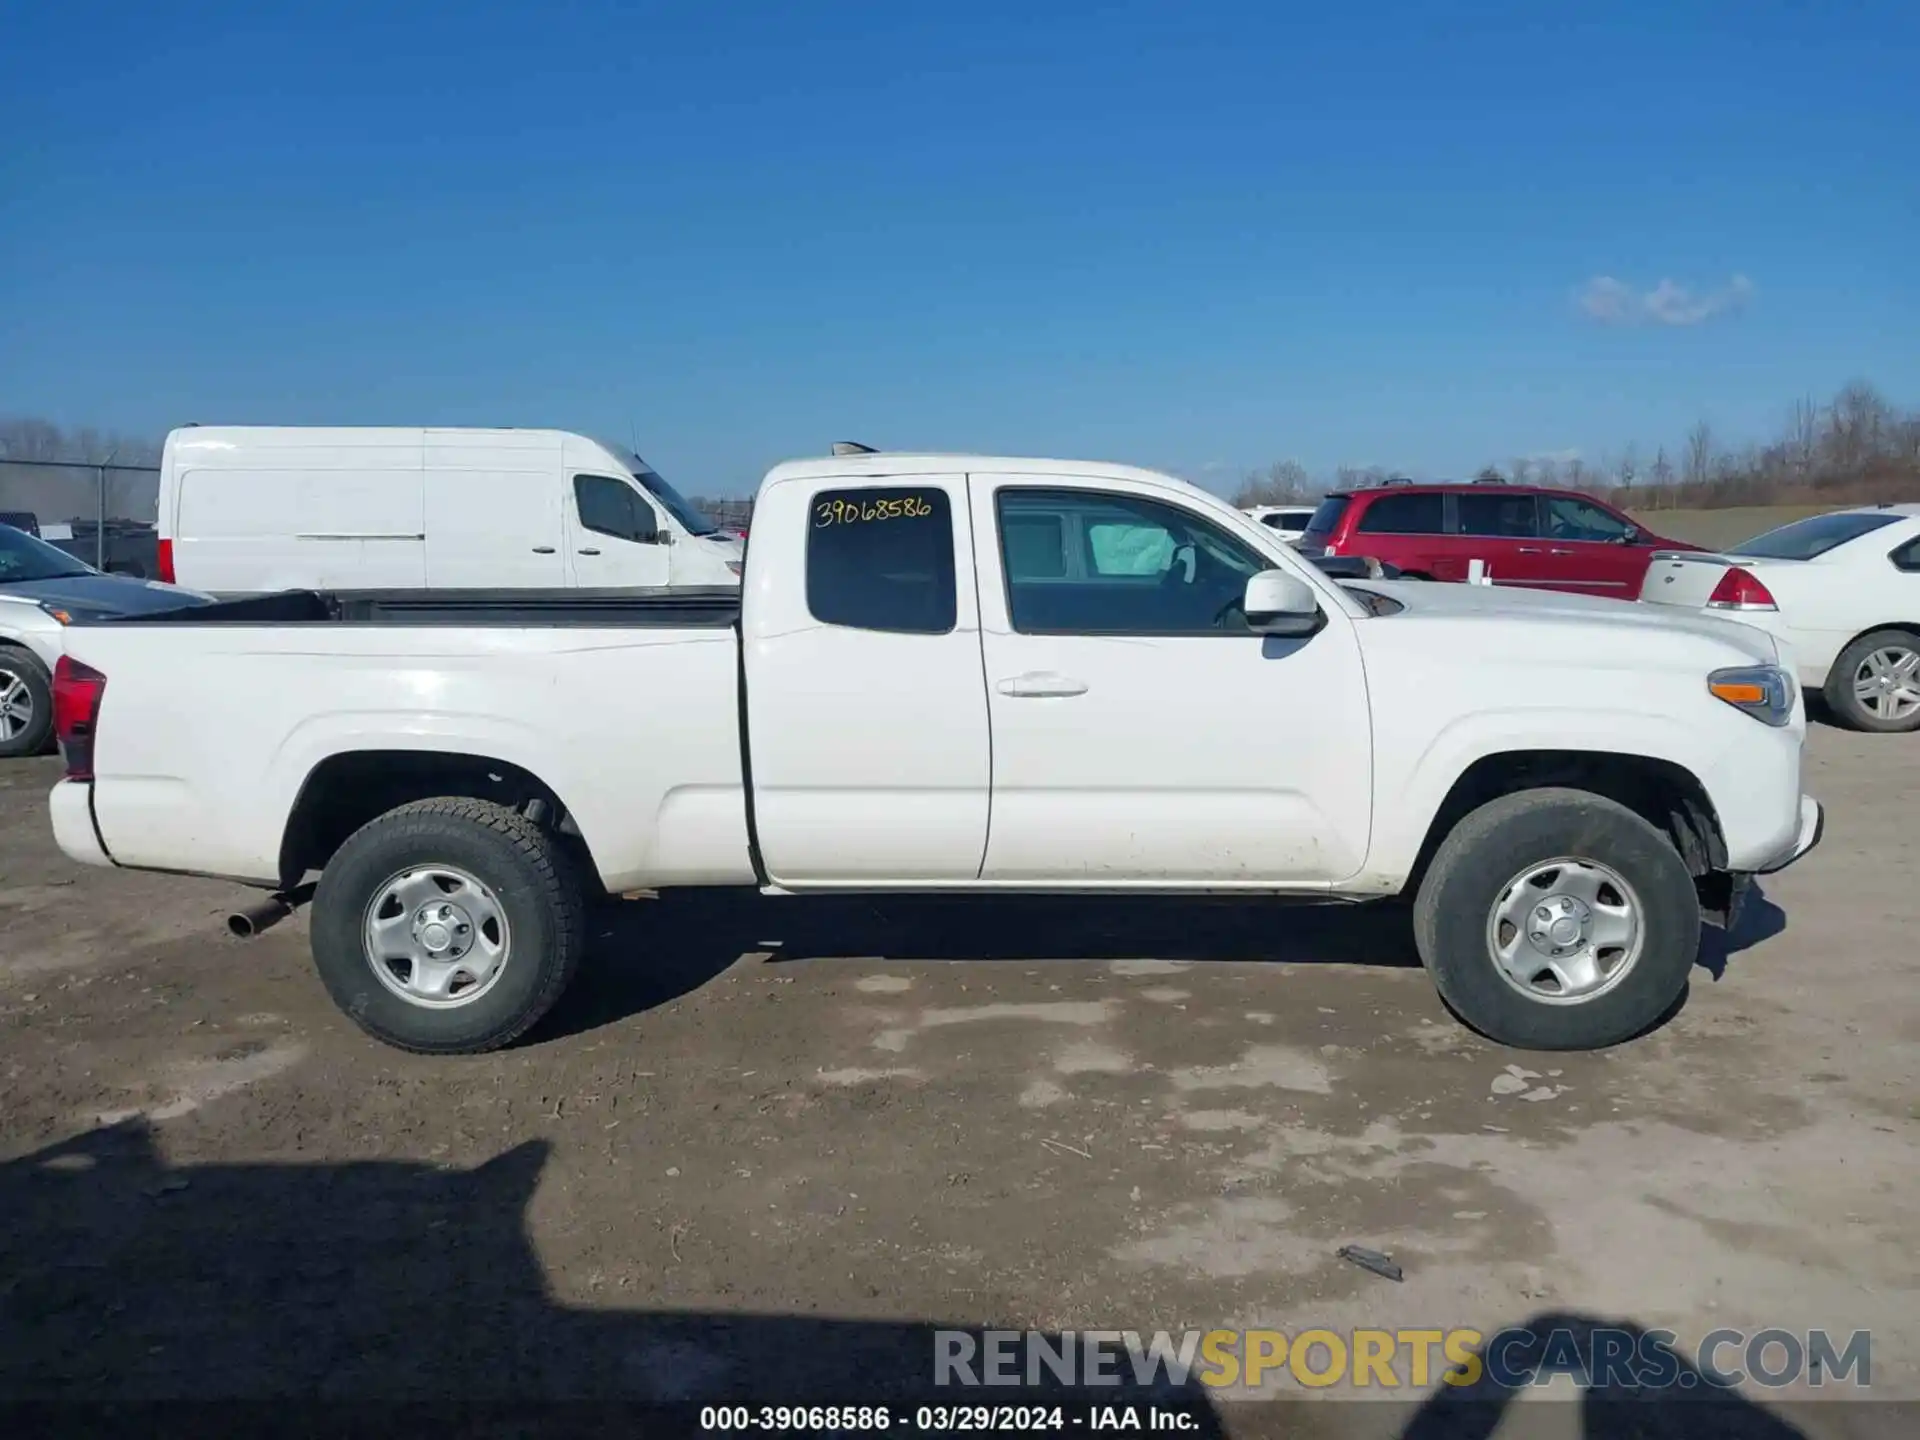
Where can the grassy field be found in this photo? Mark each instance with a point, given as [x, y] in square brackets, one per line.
[1717, 528]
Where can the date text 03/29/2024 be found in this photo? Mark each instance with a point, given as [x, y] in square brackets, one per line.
[949, 1419]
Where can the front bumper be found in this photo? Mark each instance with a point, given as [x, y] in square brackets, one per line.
[1813, 825]
[1724, 893]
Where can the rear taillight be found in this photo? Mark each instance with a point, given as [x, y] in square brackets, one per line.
[77, 692]
[165, 563]
[1740, 590]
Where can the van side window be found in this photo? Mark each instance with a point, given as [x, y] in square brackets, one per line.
[1403, 515]
[612, 507]
[882, 559]
[1506, 517]
[1907, 557]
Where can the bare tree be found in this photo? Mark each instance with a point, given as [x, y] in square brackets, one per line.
[1490, 475]
[1627, 468]
[1284, 482]
[1698, 460]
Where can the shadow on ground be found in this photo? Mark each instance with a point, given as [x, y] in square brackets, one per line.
[648, 952]
[375, 1292]
[1611, 1407]
[127, 1280]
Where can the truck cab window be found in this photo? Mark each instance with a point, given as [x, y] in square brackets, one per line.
[882, 559]
[1090, 563]
[613, 507]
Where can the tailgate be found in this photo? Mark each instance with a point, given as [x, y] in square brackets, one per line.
[1683, 577]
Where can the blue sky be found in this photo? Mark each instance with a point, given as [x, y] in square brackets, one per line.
[1199, 236]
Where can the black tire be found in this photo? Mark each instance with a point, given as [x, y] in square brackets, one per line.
[25, 667]
[1493, 846]
[1846, 706]
[529, 876]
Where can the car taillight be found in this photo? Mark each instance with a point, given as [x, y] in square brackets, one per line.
[1740, 590]
[77, 692]
[165, 563]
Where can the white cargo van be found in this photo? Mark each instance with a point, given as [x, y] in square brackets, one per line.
[252, 509]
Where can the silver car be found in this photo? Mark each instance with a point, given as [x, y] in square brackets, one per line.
[41, 589]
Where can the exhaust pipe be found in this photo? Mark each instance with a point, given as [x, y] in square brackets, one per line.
[255, 919]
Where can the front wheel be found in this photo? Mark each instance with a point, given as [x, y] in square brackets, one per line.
[448, 926]
[1875, 684]
[26, 703]
[1556, 919]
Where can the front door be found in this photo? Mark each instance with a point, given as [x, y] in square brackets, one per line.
[1142, 735]
[1589, 551]
[615, 536]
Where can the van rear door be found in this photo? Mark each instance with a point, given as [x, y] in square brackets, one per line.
[494, 510]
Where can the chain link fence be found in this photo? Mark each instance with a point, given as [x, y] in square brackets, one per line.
[102, 514]
[727, 514]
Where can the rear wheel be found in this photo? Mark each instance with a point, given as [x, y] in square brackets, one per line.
[26, 703]
[1875, 684]
[447, 926]
[1557, 920]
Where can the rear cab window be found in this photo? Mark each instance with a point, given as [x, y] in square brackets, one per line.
[881, 558]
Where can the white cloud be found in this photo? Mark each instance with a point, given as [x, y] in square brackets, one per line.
[1615, 302]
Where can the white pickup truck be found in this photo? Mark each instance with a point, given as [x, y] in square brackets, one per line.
[950, 673]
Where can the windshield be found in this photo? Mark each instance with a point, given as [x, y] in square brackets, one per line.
[1813, 537]
[683, 510]
[1326, 517]
[24, 558]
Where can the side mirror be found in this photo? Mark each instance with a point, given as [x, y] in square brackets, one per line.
[1631, 535]
[1279, 603]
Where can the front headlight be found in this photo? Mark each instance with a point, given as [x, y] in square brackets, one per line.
[1762, 691]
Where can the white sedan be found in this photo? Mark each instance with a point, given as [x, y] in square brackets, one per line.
[1841, 591]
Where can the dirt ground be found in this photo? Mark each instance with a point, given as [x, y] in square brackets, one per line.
[765, 1147]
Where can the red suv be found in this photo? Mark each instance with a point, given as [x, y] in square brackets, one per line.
[1547, 539]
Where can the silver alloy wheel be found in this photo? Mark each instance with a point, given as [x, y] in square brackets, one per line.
[16, 705]
[1565, 931]
[1887, 682]
[437, 937]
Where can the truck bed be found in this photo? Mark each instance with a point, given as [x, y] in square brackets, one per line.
[717, 607]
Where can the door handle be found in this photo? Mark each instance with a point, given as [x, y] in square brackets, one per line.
[543, 549]
[589, 552]
[1041, 683]
[1558, 551]
[1529, 549]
